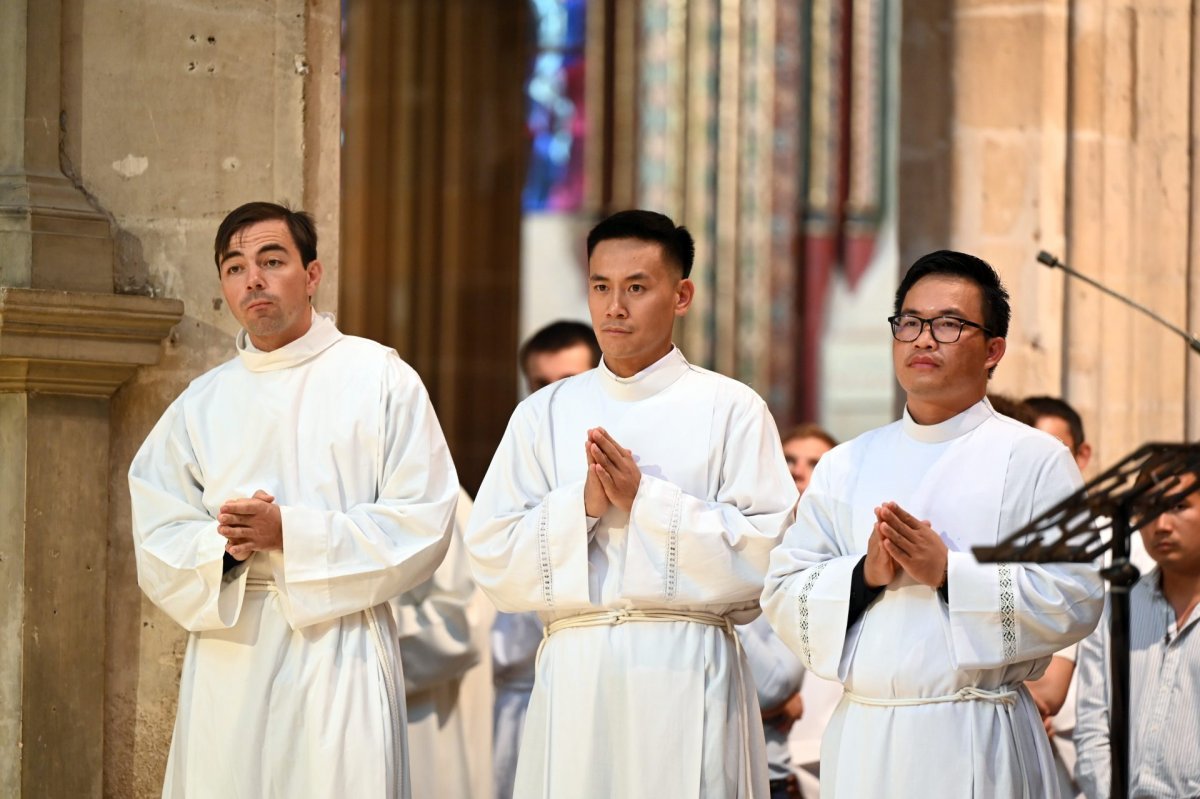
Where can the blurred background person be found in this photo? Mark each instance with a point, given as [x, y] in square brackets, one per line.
[560, 349]
[1054, 692]
[440, 643]
[803, 446]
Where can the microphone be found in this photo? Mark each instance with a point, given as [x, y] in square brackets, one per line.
[1052, 262]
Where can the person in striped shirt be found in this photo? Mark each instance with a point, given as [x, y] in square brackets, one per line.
[1164, 669]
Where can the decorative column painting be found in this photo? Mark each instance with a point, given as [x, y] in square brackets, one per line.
[761, 129]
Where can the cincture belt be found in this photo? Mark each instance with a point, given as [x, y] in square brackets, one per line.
[613, 618]
[970, 693]
[260, 584]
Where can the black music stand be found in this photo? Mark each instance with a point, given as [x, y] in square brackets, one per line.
[1128, 503]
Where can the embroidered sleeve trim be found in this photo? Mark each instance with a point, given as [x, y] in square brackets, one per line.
[671, 578]
[1008, 612]
[802, 607]
[544, 555]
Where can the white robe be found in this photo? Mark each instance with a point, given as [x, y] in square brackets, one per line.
[977, 477]
[438, 648]
[292, 684]
[643, 709]
[515, 639]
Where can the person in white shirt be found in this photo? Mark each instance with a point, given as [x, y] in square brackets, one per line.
[1164, 668]
[278, 504]
[875, 584]
[634, 507]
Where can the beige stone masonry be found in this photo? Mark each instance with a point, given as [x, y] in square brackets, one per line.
[63, 342]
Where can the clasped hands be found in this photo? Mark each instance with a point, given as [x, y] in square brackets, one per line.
[251, 525]
[901, 542]
[613, 476]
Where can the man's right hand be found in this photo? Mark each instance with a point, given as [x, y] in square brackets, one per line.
[595, 501]
[879, 569]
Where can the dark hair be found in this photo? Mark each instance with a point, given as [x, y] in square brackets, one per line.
[1053, 406]
[299, 223]
[1013, 409]
[996, 310]
[676, 242]
[559, 336]
[809, 430]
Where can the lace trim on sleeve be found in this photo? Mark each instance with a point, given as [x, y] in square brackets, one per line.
[671, 579]
[1008, 612]
[802, 607]
[544, 555]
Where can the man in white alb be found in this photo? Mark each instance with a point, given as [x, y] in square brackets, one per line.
[278, 504]
[875, 584]
[635, 506]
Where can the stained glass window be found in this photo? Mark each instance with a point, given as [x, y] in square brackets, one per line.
[555, 107]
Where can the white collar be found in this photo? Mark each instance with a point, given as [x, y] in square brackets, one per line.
[321, 334]
[952, 428]
[646, 383]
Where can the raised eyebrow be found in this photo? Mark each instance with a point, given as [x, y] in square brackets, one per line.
[271, 248]
[229, 255]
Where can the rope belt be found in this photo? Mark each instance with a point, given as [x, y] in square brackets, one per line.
[1000, 696]
[617, 617]
[612, 618]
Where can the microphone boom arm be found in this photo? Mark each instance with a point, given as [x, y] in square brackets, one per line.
[1053, 262]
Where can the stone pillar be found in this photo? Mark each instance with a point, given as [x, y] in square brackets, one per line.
[66, 343]
[50, 235]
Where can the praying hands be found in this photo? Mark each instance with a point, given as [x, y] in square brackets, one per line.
[251, 525]
[613, 476]
[912, 544]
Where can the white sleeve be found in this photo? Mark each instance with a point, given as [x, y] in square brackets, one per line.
[1004, 613]
[340, 562]
[807, 593]
[528, 542]
[687, 550]
[178, 550]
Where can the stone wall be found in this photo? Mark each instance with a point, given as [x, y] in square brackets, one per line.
[174, 113]
[1064, 125]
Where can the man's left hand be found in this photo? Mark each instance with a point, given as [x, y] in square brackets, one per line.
[619, 474]
[251, 525]
[914, 544]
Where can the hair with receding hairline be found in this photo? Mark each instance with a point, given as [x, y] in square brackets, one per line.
[299, 224]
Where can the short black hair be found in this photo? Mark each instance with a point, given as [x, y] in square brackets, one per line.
[300, 224]
[559, 336]
[996, 311]
[1053, 406]
[1013, 408]
[651, 226]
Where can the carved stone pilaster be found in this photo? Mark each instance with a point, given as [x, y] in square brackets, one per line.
[65, 342]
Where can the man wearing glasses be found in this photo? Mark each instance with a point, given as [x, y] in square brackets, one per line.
[875, 585]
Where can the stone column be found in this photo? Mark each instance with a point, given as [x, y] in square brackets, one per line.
[66, 343]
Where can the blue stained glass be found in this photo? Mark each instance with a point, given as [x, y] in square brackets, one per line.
[555, 117]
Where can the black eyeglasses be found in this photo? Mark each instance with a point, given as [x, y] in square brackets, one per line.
[945, 329]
